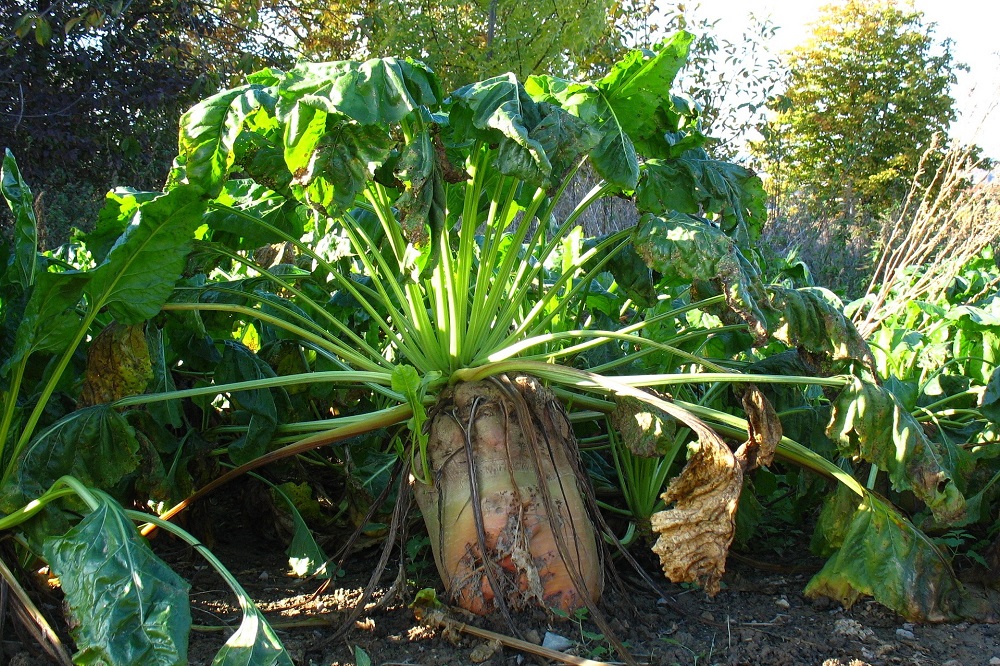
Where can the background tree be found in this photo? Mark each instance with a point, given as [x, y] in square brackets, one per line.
[91, 92]
[866, 94]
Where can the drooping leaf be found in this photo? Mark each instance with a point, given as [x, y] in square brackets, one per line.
[305, 556]
[208, 133]
[240, 364]
[499, 111]
[696, 532]
[339, 167]
[881, 554]
[167, 412]
[21, 266]
[868, 422]
[614, 156]
[140, 271]
[812, 318]
[254, 643]
[644, 429]
[564, 137]
[249, 198]
[120, 207]
[127, 606]
[695, 184]
[96, 445]
[688, 249]
[118, 365]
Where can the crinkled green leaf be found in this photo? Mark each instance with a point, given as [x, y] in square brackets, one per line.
[564, 137]
[239, 364]
[127, 606]
[21, 266]
[695, 184]
[253, 644]
[868, 422]
[881, 554]
[141, 269]
[375, 92]
[120, 207]
[340, 166]
[637, 90]
[95, 445]
[261, 202]
[208, 133]
[688, 249]
[499, 111]
[813, 318]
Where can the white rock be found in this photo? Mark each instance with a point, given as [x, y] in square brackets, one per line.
[905, 633]
[995, 661]
[556, 642]
[782, 603]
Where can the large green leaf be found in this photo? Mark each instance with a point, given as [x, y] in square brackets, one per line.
[614, 156]
[375, 92]
[868, 422]
[208, 133]
[140, 271]
[340, 165]
[879, 553]
[127, 606]
[637, 90]
[50, 318]
[96, 445]
[812, 318]
[21, 265]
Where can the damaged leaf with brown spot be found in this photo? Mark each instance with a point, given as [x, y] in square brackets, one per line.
[695, 534]
[118, 365]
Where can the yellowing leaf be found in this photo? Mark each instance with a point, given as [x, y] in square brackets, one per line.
[118, 365]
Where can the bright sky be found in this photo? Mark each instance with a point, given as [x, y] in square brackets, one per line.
[971, 24]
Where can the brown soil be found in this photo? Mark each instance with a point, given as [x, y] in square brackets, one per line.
[759, 617]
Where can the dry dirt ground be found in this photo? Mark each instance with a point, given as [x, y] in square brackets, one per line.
[760, 617]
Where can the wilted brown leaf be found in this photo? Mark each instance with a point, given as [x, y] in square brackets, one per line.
[118, 365]
[695, 534]
[765, 430]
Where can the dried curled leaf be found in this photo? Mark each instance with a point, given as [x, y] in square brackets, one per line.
[765, 430]
[645, 430]
[695, 534]
[118, 365]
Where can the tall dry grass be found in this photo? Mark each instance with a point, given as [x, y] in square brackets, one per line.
[945, 221]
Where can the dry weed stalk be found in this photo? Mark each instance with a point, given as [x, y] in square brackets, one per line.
[939, 228]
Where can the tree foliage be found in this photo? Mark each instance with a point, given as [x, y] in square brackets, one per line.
[92, 91]
[469, 41]
[866, 94]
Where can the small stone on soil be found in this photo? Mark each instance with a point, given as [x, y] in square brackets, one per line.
[905, 634]
[556, 642]
[782, 603]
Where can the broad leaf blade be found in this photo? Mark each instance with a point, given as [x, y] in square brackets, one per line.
[240, 364]
[140, 271]
[21, 266]
[128, 606]
[637, 90]
[96, 445]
